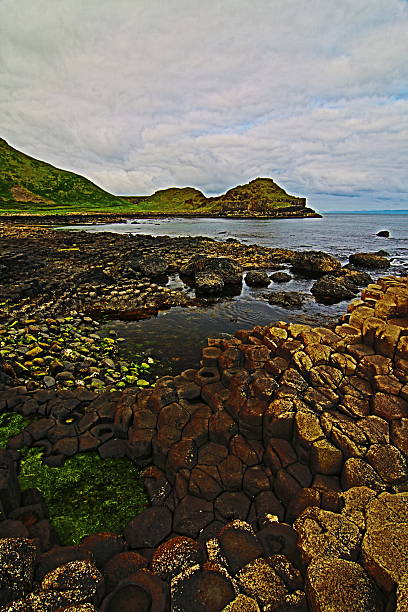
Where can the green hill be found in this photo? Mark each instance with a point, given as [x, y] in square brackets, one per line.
[172, 200]
[31, 186]
[28, 185]
[261, 197]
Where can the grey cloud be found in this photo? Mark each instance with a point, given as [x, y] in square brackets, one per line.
[142, 95]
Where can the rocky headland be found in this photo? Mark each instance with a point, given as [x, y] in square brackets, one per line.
[29, 186]
[276, 472]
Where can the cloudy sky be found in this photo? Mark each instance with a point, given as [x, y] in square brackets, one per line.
[140, 95]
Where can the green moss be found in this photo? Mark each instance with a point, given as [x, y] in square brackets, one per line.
[11, 424]
[87, 494]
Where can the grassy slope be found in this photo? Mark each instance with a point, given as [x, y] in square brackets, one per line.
[46, 189]
[30, 186]
[260, 196]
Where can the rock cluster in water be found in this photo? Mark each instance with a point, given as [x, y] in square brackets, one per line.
[277, 475]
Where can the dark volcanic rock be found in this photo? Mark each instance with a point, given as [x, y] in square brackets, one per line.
[331, 289]
[224, 267]
[280, 277]
[373, 261]
[288, 299]
[257, 278]
[208, 283]
[152, 266]
[149, 528]
[315, 263]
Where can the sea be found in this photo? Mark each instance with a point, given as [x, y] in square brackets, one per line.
[175, 336]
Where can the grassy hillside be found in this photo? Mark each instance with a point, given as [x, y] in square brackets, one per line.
[172, 200]
[28, 185]
[260, 197]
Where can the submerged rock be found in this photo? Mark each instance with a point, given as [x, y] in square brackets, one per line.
[288, 299]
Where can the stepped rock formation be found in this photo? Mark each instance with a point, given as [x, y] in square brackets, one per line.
[277, 475]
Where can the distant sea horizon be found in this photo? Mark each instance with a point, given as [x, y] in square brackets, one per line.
[365, 212]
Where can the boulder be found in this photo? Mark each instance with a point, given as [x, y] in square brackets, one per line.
[372, 261]
[280, 277]
[288, 299]
[152, 266]
[330, 290]
[257, 278]
[383, 234]
[208, 283]
[226, 268]
[315, 263]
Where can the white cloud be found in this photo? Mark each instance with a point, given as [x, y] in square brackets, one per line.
[143, 95]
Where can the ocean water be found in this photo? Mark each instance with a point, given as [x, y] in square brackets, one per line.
[338, 234]
[176, 336]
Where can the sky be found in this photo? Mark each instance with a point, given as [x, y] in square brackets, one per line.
[140, 95]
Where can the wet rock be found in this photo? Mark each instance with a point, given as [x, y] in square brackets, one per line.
[208, 283]
[257, 278]
[103, 546]
[280, 277]
[142, 591]
[315, 263]
[239, 545]
[369, 260]
[383, 234]
[192, 515]
[288, 299]
[331, 290]
[122, 565]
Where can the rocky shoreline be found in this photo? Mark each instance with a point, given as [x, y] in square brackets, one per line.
[277, 476]
[276, 473]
